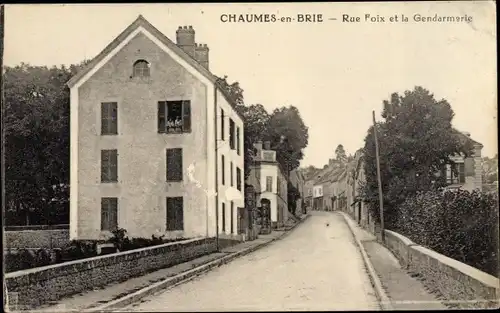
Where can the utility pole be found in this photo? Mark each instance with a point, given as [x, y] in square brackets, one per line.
[2, 104]
[380, 195]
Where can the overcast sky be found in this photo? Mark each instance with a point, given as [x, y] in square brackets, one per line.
[335, 73]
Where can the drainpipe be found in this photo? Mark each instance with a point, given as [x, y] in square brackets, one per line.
[216, 173]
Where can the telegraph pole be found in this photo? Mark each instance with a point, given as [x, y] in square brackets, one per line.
[380, 195]
[2, 104]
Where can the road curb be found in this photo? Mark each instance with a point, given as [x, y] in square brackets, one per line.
[184, 276]
[383, 299]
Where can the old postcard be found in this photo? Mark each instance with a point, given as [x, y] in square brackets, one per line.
[250, 156]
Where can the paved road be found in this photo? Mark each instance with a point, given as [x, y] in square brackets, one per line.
[316, 267]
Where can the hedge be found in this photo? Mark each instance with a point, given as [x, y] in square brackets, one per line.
[458, 224]
[16, 260]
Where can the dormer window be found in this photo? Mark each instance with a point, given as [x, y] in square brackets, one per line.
[141, 68]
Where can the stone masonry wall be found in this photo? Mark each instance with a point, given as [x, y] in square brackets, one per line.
[460, 285]
[37, 286]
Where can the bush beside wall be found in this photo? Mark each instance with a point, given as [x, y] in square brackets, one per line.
[37, 286]
[458, 224]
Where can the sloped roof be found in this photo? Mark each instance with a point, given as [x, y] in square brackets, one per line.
[142, 22]
[464, 138]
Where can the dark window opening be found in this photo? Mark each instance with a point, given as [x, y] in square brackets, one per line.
[175, 214]
[232, 217]
[109, 214]
[109, 118]
[238, 178]
[238, 142]
[231, 172]
[231, 134]
[174, 116]
[222, 124]
[109, 166]
[223, 165]
[223, 217]
[174, 164]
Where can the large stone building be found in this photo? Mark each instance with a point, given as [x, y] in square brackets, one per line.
[153, 140]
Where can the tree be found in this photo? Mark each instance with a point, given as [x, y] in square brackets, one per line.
[284, 128]
[293, 195]
[36, 125]
[288, 136]
[416, 140]
[341, 154]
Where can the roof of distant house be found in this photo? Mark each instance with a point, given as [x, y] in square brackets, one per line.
[463, 137]
[142, 22]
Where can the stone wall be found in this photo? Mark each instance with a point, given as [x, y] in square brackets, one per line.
[34, 287]
[43, 236]
[460, 284]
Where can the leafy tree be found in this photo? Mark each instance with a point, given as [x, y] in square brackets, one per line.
[416, 139]
[340, 153]
[288, 136]
[284, 128]
[293, 196]
[36, 125]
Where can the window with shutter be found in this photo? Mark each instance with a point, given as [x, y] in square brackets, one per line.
[238, 143]
[269, 183]
[174, 164]
[231, 134]
[109, 166]
[109, 214]
[162, 105]
[109, 118]
[223, 217]
[222, 124]
[231, 173]
[238, 178]
[223, 170]
[175, 213]
[232, 217]
[461, 173]
[174, 116]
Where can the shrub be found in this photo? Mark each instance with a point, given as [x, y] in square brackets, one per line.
[458, 224]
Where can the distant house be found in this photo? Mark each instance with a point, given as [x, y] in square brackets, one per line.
[153, 136]
[466, 172]
[326, 186]
[297, 180]
[270, 183]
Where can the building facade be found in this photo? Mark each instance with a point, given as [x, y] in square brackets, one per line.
[270, 182]
[148, 152]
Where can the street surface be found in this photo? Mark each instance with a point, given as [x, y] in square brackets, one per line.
[316, 267]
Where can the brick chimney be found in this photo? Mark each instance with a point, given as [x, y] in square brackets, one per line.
[201, 54]
[267, 145]
[185, 39]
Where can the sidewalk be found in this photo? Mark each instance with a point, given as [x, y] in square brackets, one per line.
[403, 291]
[124, 293]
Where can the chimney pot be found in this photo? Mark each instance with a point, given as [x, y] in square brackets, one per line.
[185, 27]
[190, 27]
[180, 27]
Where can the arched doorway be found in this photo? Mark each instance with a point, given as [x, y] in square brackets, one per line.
[265, 214]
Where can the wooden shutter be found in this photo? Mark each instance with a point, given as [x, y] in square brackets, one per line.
[269, 183]
[109, 214]
[461, 173]
[232, 217]
[223, 170]
[231, 133]
[232, 174]
[223, 217]
[175, 213]
[238, 140]
[113, 118]
[238, 178]
[222, 124]
[104, 118]
[186, 116]
[161, 116]
[105, 177]
[174, 164]
[113, 165]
